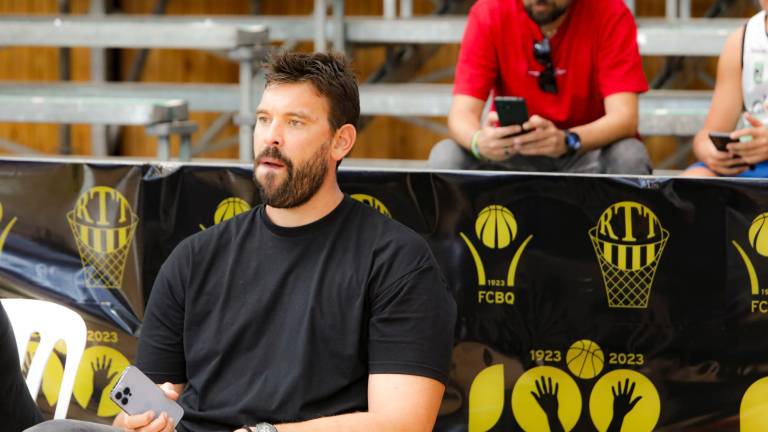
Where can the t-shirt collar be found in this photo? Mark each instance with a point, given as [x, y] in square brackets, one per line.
[309, 228]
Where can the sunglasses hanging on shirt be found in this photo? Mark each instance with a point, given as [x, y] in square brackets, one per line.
[542, 52]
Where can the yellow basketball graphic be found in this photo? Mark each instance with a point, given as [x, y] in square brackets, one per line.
[626, 400]
[103, 224]
[628, 241]
[496, 227]
[486, 398]
[758, 234]
[372, 202]
[4, 231]
[537, 391]
[98, 372]
[230, 208]
[585, 359]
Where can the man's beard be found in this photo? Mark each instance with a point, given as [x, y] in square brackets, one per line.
[299, 185]
[549, 17]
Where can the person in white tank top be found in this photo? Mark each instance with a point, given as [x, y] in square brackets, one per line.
[739, 106]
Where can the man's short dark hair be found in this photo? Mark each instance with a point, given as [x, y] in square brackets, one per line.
[329, 73]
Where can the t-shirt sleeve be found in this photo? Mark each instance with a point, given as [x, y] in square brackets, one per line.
[477, 67]
[620, 68]
[161, 343]
[412, 323]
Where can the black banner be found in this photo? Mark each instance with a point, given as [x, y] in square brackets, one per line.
[585, 302]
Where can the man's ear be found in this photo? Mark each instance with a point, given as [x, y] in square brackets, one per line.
[343, 141]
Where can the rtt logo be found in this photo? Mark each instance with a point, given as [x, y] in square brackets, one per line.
[628, 241]
[103, 224]
[496, 229]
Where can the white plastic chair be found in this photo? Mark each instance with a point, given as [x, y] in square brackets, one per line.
[53, 322]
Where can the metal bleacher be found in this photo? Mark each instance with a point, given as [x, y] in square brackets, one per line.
[242, 43]
[662, 112]
[160, 117]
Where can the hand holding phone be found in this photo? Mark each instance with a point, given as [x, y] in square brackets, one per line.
[511, 110]
[136, 394]
[721, 140]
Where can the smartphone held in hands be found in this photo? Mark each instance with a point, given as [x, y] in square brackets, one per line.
[512, 110]
[136, 394]
[721, 140]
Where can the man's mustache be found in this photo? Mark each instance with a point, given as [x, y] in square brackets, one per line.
[273, 153]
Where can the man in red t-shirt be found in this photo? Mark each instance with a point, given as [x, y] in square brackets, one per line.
[577, 65]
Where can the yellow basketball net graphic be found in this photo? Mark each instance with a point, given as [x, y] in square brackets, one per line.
[103, 224]
[372, 202]
[4, 232]
[629, 241]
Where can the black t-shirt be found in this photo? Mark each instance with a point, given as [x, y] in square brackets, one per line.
[267, 323]
[17, 409]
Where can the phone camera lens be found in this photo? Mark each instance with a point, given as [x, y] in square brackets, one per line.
[127, 391]
[124, 401]
[118, 395]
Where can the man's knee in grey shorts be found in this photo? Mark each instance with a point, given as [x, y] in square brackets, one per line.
[71, 426]
[626, 156]
[448, 154]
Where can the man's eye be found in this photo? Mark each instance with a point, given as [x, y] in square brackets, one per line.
[262, 119]
[295, 122]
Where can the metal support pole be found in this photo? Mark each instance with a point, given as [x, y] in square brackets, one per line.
[671, 9]
[390, 9]
[321, 9]
[685, 9]
[98, 75]
[246, 109]
[339, 40]
[65, 144]
[406, 8]
[185, 151]
[163, 147]
[630, 5]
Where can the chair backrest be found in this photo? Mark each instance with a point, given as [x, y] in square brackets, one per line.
[53, 322]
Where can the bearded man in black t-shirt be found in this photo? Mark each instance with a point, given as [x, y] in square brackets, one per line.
[312, 312]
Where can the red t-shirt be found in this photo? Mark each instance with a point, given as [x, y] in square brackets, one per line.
[594, 52]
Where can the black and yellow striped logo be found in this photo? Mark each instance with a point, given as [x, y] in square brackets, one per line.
[628, 240]
[103, 224]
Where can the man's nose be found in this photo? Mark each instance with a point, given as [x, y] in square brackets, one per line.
[269, 135]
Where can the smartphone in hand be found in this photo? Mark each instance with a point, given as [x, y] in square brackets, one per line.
[721, 140]
[136, 394]
[512, 110]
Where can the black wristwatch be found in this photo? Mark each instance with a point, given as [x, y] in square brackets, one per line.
[572, 142]
[261, 427]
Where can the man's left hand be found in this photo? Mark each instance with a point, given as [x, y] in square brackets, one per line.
[544, 139]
